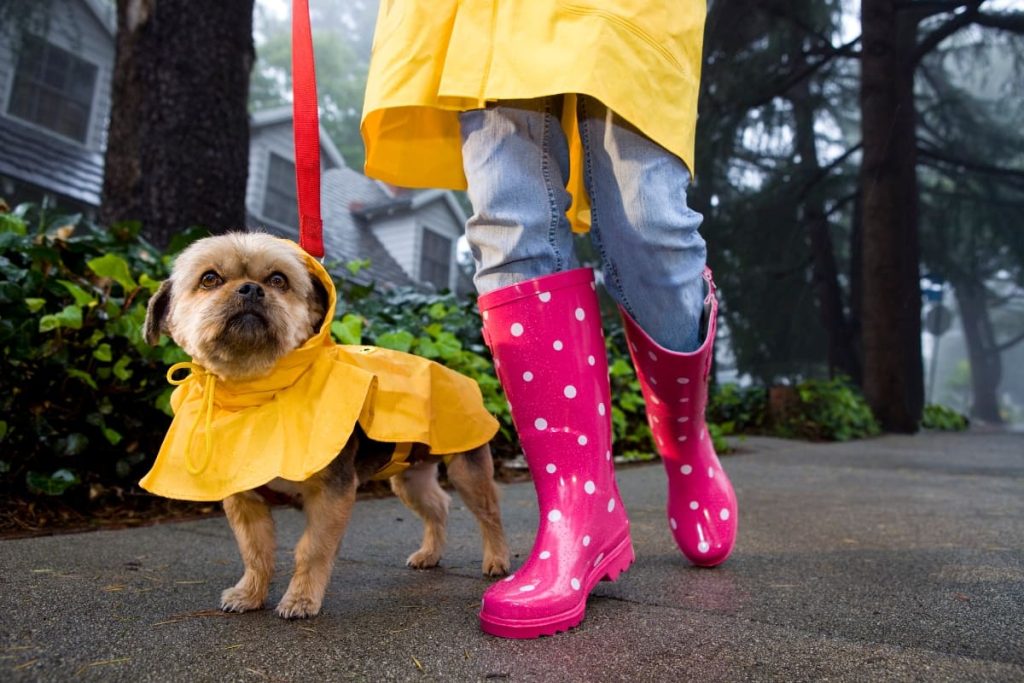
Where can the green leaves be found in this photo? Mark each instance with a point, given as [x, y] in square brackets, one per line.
[114, 268]
[348, 330]
[70, 317]
[51, 484]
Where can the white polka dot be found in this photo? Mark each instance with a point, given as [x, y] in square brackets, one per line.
[486, 315]
[551, 468]
[527, 376]
[654, 419]
[600, 409]
[693, 505]
[589, 487]
[724, 514]
[509, 577]
[580, 314]
[681, 438]
[582, 440]
[527, 588]
[569, 391]
[516, 329]
[598, 559]
[575, 583]
[554, 515]
[591, 360]
[544, 296]
[634, 347]
[684, 399]
[497, 363]
[651, 355]
[702, 435]
[672, 522]
[540, 423]
[711, 472]
[611, 504]
[684, 418]
[654, 381]
[557, 346]
[682, 380]
[607, 455]
[545, 555]
[686, 469]
[703, 546]
[655, 401]
[586, 541]
[660, 442]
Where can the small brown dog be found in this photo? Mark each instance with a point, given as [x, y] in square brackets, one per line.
[238, 303]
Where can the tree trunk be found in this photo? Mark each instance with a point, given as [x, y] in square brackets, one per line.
[986, 363]
[178, 143]
[891, 324]
[842, 356]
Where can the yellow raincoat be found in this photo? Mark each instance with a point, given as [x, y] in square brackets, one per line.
[228, 437]
[435, 58]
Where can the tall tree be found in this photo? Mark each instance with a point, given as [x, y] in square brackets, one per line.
[891, 322]
[178, 144]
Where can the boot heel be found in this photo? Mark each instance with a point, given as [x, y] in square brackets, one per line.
[620, 561]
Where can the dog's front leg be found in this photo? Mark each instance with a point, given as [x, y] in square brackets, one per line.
[250, 519]
[327, 511]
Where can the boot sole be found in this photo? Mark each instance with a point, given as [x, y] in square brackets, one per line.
[611, 568]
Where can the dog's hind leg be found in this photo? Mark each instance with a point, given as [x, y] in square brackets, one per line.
[327, 508]
[472, 474]
[417, 487]
[250, 519]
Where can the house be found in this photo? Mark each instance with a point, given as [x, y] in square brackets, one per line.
[55, 100]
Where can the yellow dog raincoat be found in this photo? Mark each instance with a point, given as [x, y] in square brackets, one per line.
[228, 437]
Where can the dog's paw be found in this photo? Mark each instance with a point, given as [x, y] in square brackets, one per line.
[496, 565]
[297, 607]
[423, 559]
[237, 599]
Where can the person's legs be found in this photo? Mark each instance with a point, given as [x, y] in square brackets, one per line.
[654, 266]
[517, 161]
[651, 251]
[542, 323]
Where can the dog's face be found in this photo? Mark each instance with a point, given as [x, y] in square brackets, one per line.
[237, 303]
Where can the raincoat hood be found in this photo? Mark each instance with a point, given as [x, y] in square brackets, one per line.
[227, 437]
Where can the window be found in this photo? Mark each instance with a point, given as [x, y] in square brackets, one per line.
[435, 259]
[53, 88]
[280, 203]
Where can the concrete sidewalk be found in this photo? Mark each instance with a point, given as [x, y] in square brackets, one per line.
[899, 558]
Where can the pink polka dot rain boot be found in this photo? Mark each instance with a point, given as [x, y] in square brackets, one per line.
[545, 336]
[701, 501]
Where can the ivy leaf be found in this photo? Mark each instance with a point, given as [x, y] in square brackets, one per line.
[34, 304]
[71, 317]
[12, 223]
[103, 353]
[426, 347]
[348, 330]
[357, 265]
[121, 370]
[82, 297]
[83, 377]
[148, 283]
[51, 485]
[448, 346]
[115, 268]
[399, 341]
[437, 311]
[113, 436]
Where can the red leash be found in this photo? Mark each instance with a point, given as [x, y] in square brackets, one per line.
[306, 124]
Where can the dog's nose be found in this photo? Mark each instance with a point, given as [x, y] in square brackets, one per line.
[251, 291]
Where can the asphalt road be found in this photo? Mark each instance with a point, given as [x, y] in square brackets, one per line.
[899, 558]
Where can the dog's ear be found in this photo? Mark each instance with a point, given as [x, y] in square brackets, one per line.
[318, 300]
[156, 314]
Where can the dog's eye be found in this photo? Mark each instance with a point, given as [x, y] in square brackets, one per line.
[277, 281]
[210, 279]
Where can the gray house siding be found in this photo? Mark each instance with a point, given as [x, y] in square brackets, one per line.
[73, 27]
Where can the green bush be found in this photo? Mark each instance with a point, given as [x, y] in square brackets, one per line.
[81, 392]
[943, 418]
[737, 410]
[830, 410]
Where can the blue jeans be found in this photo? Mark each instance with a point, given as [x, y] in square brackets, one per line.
[652, 256]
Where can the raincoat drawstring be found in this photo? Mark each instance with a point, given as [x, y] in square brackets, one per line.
[209, 386]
